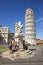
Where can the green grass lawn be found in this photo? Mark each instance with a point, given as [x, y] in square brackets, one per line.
[3, 48]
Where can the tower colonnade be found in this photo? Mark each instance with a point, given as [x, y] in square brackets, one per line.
[30, 30]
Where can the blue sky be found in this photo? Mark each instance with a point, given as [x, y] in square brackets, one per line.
[12, 11]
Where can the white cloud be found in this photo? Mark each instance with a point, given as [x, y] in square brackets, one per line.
[41, 19]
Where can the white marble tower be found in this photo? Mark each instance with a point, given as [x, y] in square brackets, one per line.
[30, 30]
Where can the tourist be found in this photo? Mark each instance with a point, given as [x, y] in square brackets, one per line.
[10, 45]
[15, 46]
[25, 45]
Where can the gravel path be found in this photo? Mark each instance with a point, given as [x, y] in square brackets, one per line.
[35, 60]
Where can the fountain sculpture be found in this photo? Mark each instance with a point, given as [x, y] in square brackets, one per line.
[19, 34]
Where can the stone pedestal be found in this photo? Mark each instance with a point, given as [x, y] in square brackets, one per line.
[19, 39]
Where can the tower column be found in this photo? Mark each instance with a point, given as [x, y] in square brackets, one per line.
[30, 30]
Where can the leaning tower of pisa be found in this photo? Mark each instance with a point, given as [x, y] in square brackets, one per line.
[30, 31]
